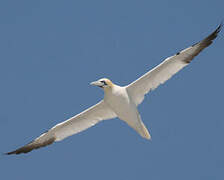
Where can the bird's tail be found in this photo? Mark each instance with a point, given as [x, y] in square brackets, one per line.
[144, 131]
[141, 128]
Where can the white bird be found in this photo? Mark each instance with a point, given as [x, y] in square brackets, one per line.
[121, 101]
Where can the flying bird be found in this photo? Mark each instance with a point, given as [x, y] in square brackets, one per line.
[121, 101]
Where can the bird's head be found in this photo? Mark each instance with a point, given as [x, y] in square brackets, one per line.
[103, 83]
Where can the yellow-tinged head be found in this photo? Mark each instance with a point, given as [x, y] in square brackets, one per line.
[103, 83]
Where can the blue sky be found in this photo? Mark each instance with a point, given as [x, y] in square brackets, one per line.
[52, 50]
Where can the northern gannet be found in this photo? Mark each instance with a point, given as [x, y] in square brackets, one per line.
[121, 101]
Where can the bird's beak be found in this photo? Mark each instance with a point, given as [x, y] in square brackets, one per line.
[96, 83]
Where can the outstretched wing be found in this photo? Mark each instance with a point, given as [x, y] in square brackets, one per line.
[72, 126]
[167, 69]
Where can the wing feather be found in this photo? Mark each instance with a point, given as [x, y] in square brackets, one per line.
[69, 127]
[167, 68]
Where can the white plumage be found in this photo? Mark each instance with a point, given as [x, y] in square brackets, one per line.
[83, 121]
[121, 101]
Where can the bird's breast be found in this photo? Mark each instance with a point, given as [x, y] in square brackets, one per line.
[120, 103]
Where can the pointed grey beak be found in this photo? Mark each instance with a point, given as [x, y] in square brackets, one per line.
[96, 83]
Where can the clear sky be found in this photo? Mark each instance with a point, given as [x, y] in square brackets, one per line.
[52, 50]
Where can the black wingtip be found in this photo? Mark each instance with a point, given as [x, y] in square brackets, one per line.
[219, 27]
[9, 153]
[32, 145]
[216, 32]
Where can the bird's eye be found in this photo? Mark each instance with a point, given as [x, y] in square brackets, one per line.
[103, 82]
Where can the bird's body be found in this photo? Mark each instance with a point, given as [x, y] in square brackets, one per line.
[118, 99]
[121, 101]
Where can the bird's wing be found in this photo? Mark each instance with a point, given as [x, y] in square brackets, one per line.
[69, 127]
[167, 69]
